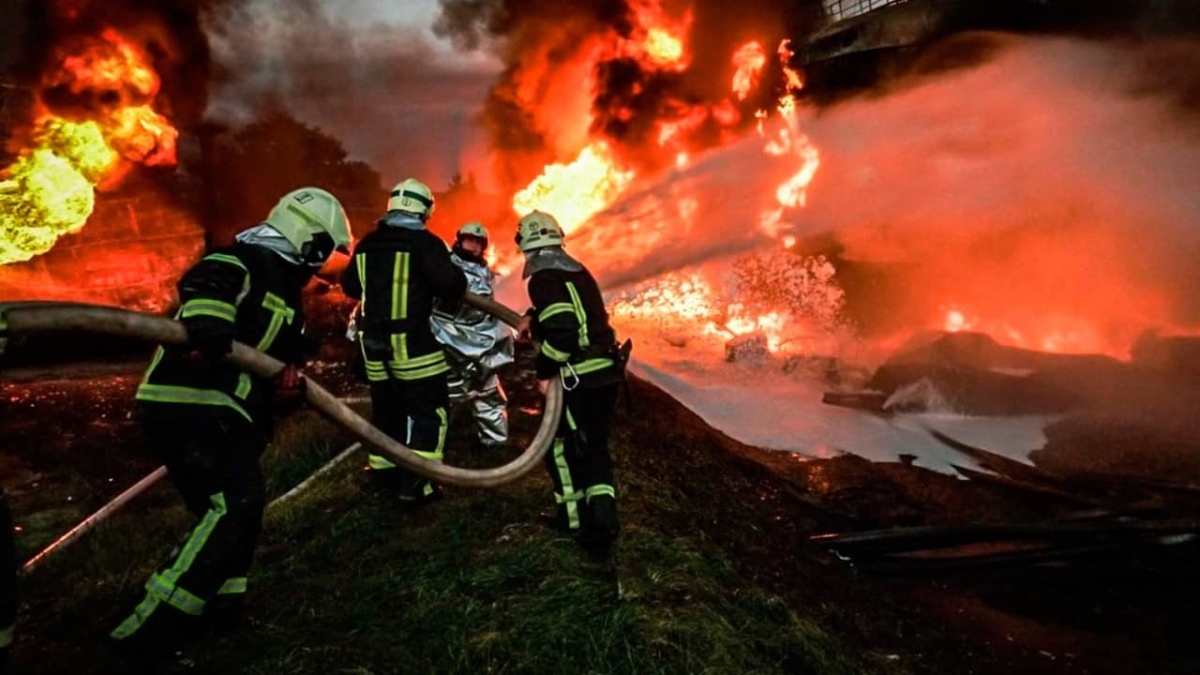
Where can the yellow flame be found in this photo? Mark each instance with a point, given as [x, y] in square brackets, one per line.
[794, 80]
[663, 48]
[48, 191]
[749, 60]
[575, 192]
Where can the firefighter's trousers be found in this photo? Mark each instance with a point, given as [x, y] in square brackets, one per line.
[487, 401]
[581, 467]
[213, 459]
[8, 581]
[414, 413]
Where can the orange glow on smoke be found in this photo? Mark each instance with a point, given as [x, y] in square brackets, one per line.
[49, 190]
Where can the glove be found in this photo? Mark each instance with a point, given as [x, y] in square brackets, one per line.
[289, 390]
[525, 329]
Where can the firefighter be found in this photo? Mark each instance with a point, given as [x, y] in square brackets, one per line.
[476, 343]
[8, 582]
[397, 272]
[568, 318]
[209, 421]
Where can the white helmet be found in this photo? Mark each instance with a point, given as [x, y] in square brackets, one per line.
[314, 221]
[538, 229]
[412, 196]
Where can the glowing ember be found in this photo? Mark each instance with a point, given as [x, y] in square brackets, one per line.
[792, 301]
[48, 191]
[749, 60]
[576, 191]
[1048, 333]
[956, 321]
[688, 303]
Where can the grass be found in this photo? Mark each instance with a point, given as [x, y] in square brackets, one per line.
[347, 582]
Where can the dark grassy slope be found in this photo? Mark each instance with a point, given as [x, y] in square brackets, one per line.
[713, 574]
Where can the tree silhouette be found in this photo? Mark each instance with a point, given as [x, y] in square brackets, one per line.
[248, 170]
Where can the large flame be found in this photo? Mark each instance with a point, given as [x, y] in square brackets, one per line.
[49, 190]
[575, 192]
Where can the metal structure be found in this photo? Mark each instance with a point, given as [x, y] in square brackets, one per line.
[837, 10]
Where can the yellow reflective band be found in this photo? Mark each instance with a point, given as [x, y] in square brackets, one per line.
[164, 393]
[601, 490]
[580, 314]
[427, 360]
[554, 354]
[199, 537]
[564, 499]
[162, 587]
[361, 262]
[418, 374]
[207, 307]
[589, 366]
[376, 462]
[444, 422]
[173, 595]
[556, 309]
[400, 266]
[140, 614]
[571, 421]
[158, 355]
[233, 586]
[435, 456]
[564, 476]
[280, 312]
[6, 636]
[243, 386]
[227, 259]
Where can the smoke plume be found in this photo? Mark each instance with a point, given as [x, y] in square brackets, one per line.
[386, 92]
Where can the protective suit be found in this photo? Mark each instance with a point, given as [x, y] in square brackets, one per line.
[209, 421]
[476, 344]
[577, 342]
[398, 272]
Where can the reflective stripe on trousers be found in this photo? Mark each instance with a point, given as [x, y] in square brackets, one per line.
[162, 587]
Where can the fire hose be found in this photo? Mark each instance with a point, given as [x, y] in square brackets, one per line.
[30, 318]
